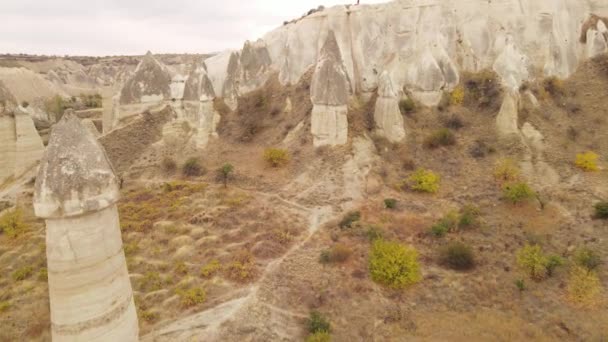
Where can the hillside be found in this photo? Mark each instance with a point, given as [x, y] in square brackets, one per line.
[415, 170]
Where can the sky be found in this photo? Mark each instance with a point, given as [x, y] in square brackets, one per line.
[132, 27]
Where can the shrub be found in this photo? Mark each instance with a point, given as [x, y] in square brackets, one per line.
[469, 215]
[407, 106]
[587, 161]
[390, 203]
[350, 218]
[587, 259]
[318, 323]
[192, 168]
[584, 286]
[23, 273]
[211, 268]
[25, 104]
[554, 86]
[192, 296]
[321, 336]
[168, 165]
[517, 192]
[338, 253]
[224, 173]
[458, 256]
[453, 122]
[43, 274]
[242, 267]
[276, 157]
[394, 265]
[12, 223]
[373, 233]
[521, 285]
[181, 268]
[482, 89]
[423, 181]
[457, 96]
[601, 210]
[448, 223]
[534, 262]
[441, 137]
[4, 306]
[148, 316]
[506, 170]
[152, 281]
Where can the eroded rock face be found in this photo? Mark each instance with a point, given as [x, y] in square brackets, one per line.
[329, 93]
[76, 193]
[150, 83]
[20, 144]
[388, 118]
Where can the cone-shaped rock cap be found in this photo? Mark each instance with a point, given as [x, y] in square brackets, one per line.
[75, 176]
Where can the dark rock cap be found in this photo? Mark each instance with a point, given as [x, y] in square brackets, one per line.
[75, 176]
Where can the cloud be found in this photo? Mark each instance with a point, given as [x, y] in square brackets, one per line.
[130, 27]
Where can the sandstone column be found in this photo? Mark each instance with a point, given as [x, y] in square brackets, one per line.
[76, 193]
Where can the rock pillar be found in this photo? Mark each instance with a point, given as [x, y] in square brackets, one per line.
[76, 193]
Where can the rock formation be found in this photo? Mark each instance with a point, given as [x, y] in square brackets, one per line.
[76, 193]
[388, 118]
[424, 45]
[329, 93]
[20, 145]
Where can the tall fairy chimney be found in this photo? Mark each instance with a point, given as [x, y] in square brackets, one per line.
[76, 193]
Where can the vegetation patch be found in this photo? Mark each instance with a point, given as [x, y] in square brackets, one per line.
[466, 218]
[439, 138]
[587, 161]
[276, 157]
[12, 223]
[192, 297]
[535, 263]
[422, 181]
[168, 165]
[317, 323]
[587, 258]
[394, 265]
[482, 90]
[601, 210]
[242, 267]
[517, 192]
[192, 168]
[506, 171]
[457, 256]
[390, 203]
[211, 268]
[349, 219]
[23, 273]
[337, 254]
[407, 106]
[584, 287]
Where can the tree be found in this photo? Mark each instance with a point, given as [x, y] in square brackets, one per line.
[224, 172]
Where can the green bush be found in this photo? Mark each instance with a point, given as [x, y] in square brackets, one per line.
[318, 323]
[350, 218]
[211, 268]
[587, 258]
[469, 216]
[447, 224]
[517, 192]
[457, 256]
[441, 137]
[394, 265]
[423, 181]
[192, 168]
[535, 263]
[407, 106]
[12, 223]
[390, 203]
[601, 210]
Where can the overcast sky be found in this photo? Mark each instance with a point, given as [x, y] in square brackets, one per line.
[131, 27]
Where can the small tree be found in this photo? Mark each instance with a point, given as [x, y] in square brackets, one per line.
[224, 172]
[423, 181]
[601, 210]
[517, 192]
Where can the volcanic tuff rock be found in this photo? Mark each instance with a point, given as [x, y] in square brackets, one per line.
[419, 45]
[76, 193]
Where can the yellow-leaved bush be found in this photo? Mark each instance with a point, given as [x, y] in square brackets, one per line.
[587, 161]
[394, 265]
[584, 286]
[423, 181]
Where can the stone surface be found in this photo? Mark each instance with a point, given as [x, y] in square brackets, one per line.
[28, 147]
[387, 116]
[76, 193]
